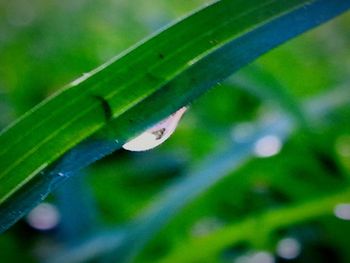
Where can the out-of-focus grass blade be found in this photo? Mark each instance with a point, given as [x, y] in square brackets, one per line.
[168, 71]
[249, 229]
[265, 86]
[77, 209]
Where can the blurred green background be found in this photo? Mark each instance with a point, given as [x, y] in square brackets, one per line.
[46, 44]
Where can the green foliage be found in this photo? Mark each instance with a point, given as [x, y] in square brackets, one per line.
[281, 194]
[60, 123]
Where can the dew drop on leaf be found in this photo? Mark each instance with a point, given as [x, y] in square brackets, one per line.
[155, 135]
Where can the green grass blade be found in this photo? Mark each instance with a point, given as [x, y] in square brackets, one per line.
[169, 70]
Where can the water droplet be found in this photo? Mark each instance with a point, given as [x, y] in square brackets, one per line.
[60, 174]
[43, 217]
[155, 135]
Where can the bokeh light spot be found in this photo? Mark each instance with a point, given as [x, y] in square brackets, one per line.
[342, 211]
[43, 217]
[257, 257]
[288, 248]
[268, 146]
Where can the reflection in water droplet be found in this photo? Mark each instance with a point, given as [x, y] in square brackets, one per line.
[155, 135]
[43, 217]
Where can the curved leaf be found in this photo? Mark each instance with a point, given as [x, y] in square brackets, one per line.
[147, 83]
